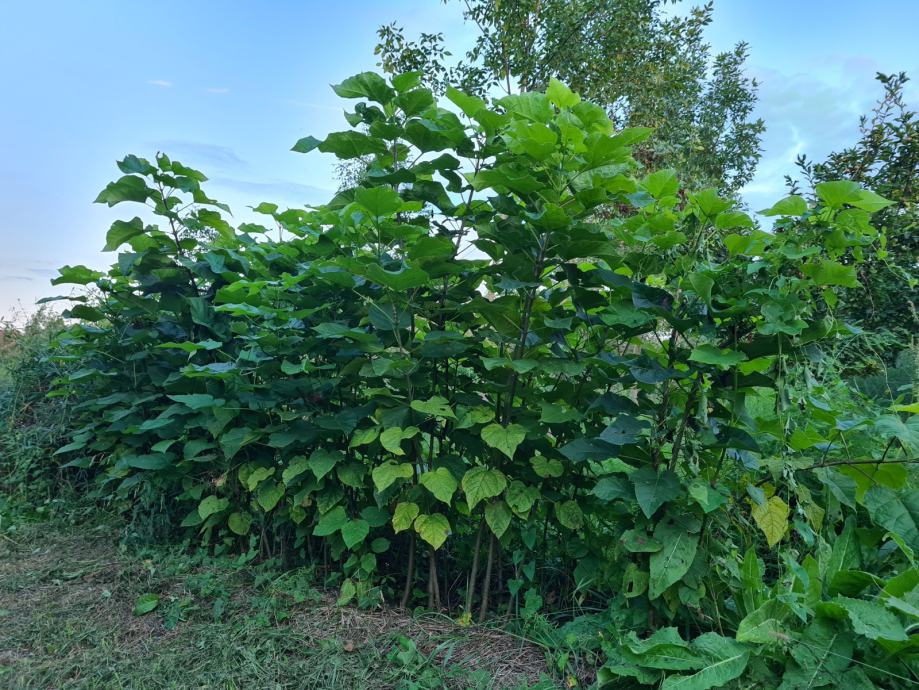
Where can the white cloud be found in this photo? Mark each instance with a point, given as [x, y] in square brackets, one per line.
[201, 153]
[160, 82]
[279, 191]
[812, 112]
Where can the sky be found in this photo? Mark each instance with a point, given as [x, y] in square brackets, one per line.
[228, 87]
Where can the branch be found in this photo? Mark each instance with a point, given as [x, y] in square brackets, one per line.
[836, 463]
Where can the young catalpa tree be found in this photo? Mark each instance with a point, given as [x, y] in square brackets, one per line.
[645, 68]
[608, 414]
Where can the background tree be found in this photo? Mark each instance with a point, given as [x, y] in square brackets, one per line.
[884, 361]
[885, 159]
[644, 67]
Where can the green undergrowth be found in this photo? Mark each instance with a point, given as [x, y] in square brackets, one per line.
[77, 611]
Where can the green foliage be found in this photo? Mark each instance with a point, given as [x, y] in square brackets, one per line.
[32, 426]
[884, 160]
[898, 381]
[626, 410]
[645, 66]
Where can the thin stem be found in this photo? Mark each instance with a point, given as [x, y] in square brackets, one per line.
[486, 585]
[410, 573]
[474, 571]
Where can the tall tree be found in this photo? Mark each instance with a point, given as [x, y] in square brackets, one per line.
[885, 159]
[644, 67]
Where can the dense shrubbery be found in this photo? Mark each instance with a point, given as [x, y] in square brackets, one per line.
[31, 424]
[628, 414]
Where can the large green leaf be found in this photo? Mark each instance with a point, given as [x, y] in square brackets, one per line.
[77, 275]
[434, 529]
[824, 651]
[400, 281]
[295, 468]
[638, 541]
[439, 482]
[664, 650]
[212, 504]
[145, 604]
[151, 461]
[404, 516]
[614, 488]
[845, 554]
[553, 413]
[546, 467]
[722, 358]
[653, 488]
[895, 511]
[837, 193]
[354, 532]
[498, 516]
[765, 625]
[235, 439]
[436, 406]
[348, 145]
[255, 476]
[378, 201]
[127, 188]
[672, 562]
[872, 620]
[789, 206]
[365, 85]
[482, 482]
[331, 522]
[391, 439]
[306, 144]
[504, 438]
[829, 272]
[569, 514]
[122, 231]
[239, 523]
[268, 494]
[708, 497]
[520, 497]
[470, 105]
[198, 401]
[907, 432]
[384, 475]
[560, 95]
[870, 201]
[661, 183]
[772, 518]
[725, 661]
[624, 430]
[322, 461]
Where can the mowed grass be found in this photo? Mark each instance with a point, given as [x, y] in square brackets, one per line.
[67, 597]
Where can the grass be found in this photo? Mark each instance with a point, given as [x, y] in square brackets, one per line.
[67, 596]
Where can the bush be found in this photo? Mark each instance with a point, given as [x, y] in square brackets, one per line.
[463, 368]
[32, 426]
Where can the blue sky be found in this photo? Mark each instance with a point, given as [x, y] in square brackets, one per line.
[229, 86]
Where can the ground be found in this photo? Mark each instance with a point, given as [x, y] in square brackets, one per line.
[67, 601]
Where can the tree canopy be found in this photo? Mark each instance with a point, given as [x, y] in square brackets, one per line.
[885, 159]
[644, 67]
